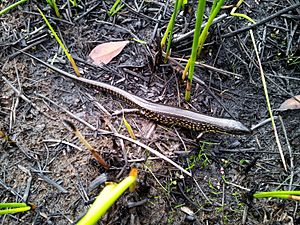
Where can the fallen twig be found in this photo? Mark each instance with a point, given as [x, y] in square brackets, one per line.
[263, 21]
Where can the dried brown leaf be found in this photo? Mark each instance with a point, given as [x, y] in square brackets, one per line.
[105, 52]
[290, 104]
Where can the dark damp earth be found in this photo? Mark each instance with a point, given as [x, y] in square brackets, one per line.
[44, 164]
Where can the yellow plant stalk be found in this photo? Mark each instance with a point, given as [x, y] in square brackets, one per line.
[233, 12]
[107, 197]
[70, 58]
[129, 128]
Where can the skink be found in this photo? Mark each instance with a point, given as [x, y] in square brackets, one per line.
[162, 113]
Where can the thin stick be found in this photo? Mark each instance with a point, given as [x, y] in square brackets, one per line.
[153, 151]
[62, 142]
[190, 33]
[263, 79]
[290, 153]
[263, 21]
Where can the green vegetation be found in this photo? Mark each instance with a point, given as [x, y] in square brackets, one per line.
[294, 60]
[170, 185]
[52, 3]
[198, 41]
[74, 3]
[12, 6]
[13, 207]
[61, 44]
[292, 195]
[115, 8]
[201, 158]
[233, 12]
[107, 197]
[169, 31]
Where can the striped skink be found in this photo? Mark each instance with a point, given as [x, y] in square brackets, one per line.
[162, 113]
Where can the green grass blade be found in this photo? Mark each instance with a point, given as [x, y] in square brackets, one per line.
[191, 63]
[117, 10]
[12, 6]
[14, 210]
[114, 8]
[178, 5]
[275, 194]
[74, 3]
[169, 31]
[12, 205]
[53, 4]
[214, 5]
[211, 17]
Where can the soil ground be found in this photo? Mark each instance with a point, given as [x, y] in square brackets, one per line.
[44, 164]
